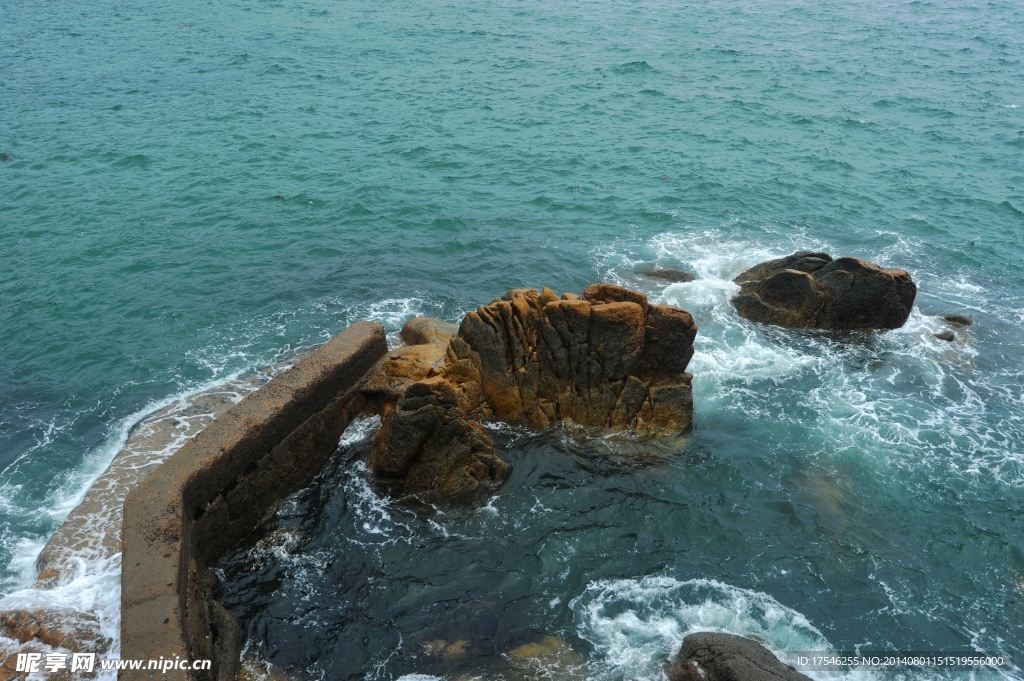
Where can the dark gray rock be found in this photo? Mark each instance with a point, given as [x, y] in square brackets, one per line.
[725, 657]
[801, 261]
[810, 290]
[957, 319]
[667, 273]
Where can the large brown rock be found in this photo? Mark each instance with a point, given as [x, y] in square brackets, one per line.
[811, 290]
[608, 359]
[725, 657]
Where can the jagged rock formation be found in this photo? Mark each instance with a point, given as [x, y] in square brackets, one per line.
[608, 359]
[725, 657]
[811, 290]
[429, 442]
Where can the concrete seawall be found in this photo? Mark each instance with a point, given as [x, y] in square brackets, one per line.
[216, 489]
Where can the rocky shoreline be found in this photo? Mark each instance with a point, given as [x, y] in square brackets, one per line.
[607, 360]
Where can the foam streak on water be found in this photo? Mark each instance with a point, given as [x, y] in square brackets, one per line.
[904, 397]
[636, 625]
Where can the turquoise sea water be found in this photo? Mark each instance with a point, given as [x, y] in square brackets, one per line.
[190, 190]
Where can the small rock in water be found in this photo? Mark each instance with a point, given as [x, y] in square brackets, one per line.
[725, 657]
[957, 319]
[667, 273]
[253, 669]
[278, 197]
[446, 650]
[947, 336]
[4, 158]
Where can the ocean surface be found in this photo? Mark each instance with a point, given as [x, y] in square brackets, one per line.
[191, 190]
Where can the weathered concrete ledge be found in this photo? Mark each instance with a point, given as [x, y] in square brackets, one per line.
[216, 489]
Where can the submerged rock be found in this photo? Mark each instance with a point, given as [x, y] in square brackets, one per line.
[63, 629]
[548, 658]
[957, 319]
[251, 668]
[667, 273]
[947, 336]
[725, 657]
[447, 651]
[608, 359]
[811, 290]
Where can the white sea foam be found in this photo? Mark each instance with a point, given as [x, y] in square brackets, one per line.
[635, 625]
[727, 349]
[392, 313]
[93, 588]
[379, 521]
[867, 397]
[360, 430]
